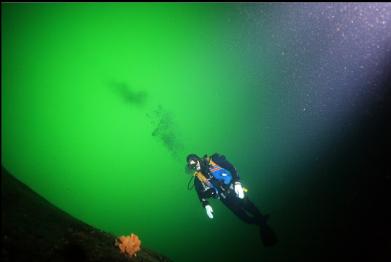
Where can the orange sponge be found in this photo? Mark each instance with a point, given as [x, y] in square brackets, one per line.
[128, 244]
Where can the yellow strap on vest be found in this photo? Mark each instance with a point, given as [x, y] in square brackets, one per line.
[212, 162]
[204, 180]
[201, 177]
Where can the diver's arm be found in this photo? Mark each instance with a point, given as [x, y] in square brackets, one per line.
[201, 192]
[203, 195]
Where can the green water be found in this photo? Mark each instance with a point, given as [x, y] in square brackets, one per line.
[101, 103]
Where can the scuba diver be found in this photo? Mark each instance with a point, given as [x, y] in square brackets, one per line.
[215, 177]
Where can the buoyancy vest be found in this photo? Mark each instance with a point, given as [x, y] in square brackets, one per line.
[219, 173]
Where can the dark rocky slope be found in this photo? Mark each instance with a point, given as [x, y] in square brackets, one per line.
[32, 229]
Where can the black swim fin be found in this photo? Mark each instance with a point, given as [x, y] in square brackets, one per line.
[268, 236]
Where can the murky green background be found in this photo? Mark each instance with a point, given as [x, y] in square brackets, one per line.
[101, 103]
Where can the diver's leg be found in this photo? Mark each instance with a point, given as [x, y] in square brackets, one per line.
[237, 208]
[251, 208]
[266, 233]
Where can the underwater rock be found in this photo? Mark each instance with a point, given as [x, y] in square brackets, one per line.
[35, 230]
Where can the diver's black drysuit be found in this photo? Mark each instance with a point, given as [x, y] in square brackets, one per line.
[242, 208]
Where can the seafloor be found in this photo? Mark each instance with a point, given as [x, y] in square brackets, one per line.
[32, 229]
